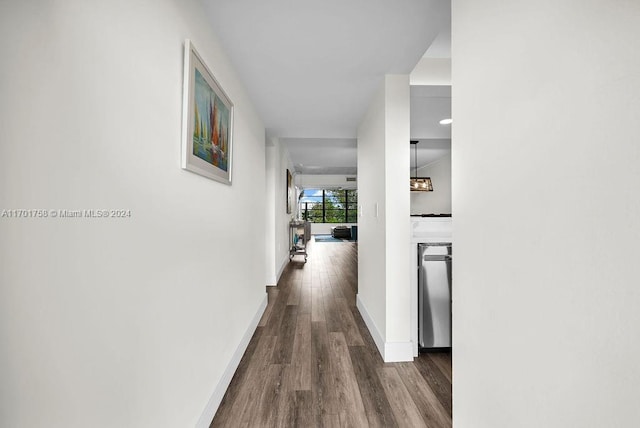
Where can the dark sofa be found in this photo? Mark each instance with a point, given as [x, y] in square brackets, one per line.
[341, 232]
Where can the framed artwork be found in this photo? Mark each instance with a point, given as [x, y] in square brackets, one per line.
[289, 191]
[207, 121]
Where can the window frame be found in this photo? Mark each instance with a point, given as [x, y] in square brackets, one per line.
[350, 206]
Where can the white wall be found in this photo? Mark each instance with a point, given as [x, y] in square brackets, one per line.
[383, 225]
[277, 245]
[271, 170]
[282, 218]
[311, 181]
[546, 221]
[132, 321]
[438, 201]
[371, 220]
[397, 126]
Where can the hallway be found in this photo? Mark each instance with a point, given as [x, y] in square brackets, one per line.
[312, 361]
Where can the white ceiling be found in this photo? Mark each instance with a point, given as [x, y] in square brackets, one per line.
[311, 68]
[429, 105]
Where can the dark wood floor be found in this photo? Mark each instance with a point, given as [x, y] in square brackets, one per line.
[312, 362]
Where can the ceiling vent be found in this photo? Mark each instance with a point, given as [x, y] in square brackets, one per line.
[351, 179]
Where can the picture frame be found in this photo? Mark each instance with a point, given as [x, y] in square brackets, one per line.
[289, 191]
[207, 121]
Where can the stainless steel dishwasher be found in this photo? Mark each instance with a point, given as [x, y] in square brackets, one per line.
[434, 295]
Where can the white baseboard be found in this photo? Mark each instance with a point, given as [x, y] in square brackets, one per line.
[273, 281]
[391, 352]
[395, 352]
[283, 264]
[373, 329]
[220, 389]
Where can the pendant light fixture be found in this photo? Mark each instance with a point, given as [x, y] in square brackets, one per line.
[419, 184]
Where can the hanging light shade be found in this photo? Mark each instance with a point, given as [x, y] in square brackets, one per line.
[419, 184]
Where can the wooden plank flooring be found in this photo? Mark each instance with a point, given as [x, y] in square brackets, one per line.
[312, 362]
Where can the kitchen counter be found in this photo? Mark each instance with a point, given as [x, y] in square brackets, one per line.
[430, 229]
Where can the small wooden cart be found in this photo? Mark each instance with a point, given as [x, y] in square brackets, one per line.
[299, 236]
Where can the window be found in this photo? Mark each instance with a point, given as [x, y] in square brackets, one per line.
[329, 205]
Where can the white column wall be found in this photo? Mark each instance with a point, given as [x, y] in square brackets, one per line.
[271, 162]
[546, 214]
[277, 218]
[396, 158]
[383, 224]
[371, 219]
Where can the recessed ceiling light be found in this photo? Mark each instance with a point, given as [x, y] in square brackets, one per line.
[446, 121]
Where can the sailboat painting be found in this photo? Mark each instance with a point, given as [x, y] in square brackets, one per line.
[207, 121]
